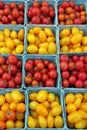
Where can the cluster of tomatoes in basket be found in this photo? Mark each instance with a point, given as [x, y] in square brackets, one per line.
[43, 13]
[73, 71]
[40, 73]
[71, 13]
[12, 13]
[10, 72]
[45, 110]
[76, 112]
[12, 110]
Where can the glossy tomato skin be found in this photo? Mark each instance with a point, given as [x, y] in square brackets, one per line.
[71, 65]
[6, 76]
[28, 66]
[12, 59]
[72, 80]
[18, 80]
[10, 115]
[75, 58]
[12, 69]
[2, 60]
[65, 83]
[50, 83]
[65, 74]
[28, 80]
[64, 65]
[64, 58]
[37, 76]
[53, 74]
[79, 65]
[82, 76]
[11, 84]
[85, 84]
[78, 84]
[44, 77]
[3, 83]
[51, 66]
[34, 83]
[40, 66]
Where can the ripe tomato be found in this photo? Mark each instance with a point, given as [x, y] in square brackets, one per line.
[28, 80]
[10, 115]
[37, 76]
[85, 84]
[15, 14]
[12, 69]
[65, 4]
[12, 59]
[19, 64]
[45, 10]
[28, 66]
[75, 73]
[69, 22]
[81, 7]
[50, 83]
[46, 21]
[63, 65]
[65, 83]
[1, 5]
[83, 18]
[82, 76]
[20, 20]
[65, 74]
[53, 74]
[45, 3]
[2, 116]
[44, 77]
[69, 10]
[40, 66]
[6, 11]
[76, 8]
[78, 84]
[30, 62]
[18, 80]
[46, 62]
[3, 83]
[77, 21]
[75, 58]
[21, 7]
[10, 17]
[36, 4]
[35, 20]
[36, 11]
[64, 58]
[34, 83]
[61, 10]
[79, 65]
[86, 59]
[71, 65]
[19, 115]
[11, 84]
[71, 4]
[6, 76]
[2, 125]
[51, 66]
[13, 5]
[61, 17]
[21, 107]
[38, 61]
[82, 58]
[72, 80]
[2, 60]
[72, 16]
